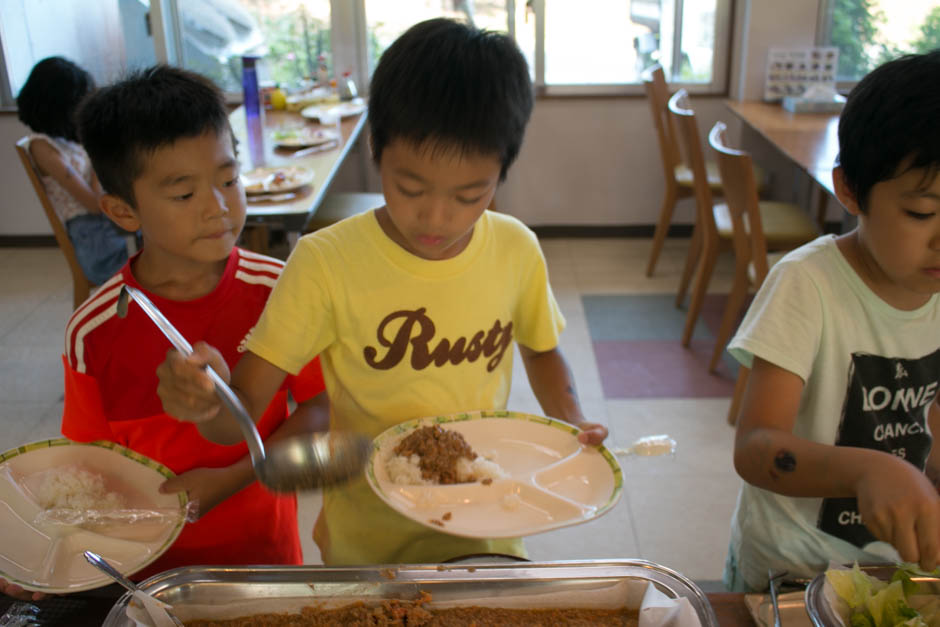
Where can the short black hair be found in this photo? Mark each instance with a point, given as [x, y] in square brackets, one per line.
[451, 85]
[890, 122]
[121, 124]
[50, 96]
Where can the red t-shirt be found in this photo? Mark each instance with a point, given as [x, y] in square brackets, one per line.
[110, 394]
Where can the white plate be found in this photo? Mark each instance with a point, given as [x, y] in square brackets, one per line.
[304, 136]
[275, 180]
[342, 110]
[554, 481]
[48, 557]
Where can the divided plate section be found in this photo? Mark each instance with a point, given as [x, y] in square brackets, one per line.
[552, 481]
[47, 556]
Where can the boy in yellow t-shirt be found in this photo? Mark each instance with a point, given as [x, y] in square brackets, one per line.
[414, 306]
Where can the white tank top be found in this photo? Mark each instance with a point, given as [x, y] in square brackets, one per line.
[65, 205]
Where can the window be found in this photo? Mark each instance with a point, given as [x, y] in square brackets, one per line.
[582, 48]
[870, 32]
[292, 36]
[604, 46]
[102, 37]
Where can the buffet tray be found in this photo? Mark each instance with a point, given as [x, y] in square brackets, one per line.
[821, 610]
[226, 591]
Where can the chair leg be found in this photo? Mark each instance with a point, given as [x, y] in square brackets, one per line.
[662, 227]
[691, 260]
[730, 316]
[80, 291]
[706, 267]
[739, 386]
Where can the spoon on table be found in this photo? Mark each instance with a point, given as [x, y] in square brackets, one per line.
[158, 610]
[301, 462]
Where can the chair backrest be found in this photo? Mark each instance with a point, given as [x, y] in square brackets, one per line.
[81, 285]
[657, 94]
[741, 196]
[683, 117]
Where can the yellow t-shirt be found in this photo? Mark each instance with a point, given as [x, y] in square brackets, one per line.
[402, 337]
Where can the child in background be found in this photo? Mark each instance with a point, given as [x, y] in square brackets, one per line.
[162, 146]
[835, 430]
[47, 104]
[414, 306]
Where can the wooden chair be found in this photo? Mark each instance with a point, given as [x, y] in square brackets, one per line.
[785, 225]
[676, 173]
[81, 286]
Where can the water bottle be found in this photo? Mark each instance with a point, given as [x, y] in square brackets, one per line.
[254, 112]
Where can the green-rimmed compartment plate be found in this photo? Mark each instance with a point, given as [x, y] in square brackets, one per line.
[552, 479]
[48, 556]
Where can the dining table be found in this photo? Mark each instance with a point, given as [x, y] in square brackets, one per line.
[809, 140]
[292, 211]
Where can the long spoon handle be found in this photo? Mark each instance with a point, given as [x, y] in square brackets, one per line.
[110, 571]
[228, 397]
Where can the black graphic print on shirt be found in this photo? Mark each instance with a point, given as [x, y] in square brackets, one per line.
[400, 331]
[885, 409]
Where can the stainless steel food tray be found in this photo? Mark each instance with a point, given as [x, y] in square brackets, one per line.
[822, 613]
[595, 583]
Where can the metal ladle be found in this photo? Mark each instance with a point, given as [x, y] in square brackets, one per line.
[301, 462]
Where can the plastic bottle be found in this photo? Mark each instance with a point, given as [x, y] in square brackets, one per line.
[347, 87]
[254, 112]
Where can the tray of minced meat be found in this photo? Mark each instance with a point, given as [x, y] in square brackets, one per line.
[597, 592]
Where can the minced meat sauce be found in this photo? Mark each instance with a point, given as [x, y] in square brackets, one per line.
[408, 613]
[438, 450]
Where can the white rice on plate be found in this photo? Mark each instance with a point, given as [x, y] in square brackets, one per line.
[73, 487]
[407, 470]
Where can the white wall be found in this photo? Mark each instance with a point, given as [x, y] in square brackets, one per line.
[584, 161]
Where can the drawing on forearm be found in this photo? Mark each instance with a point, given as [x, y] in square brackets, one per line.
[785, 461]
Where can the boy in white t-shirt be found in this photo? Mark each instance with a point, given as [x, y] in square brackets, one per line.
[413, 307]
[843, 341]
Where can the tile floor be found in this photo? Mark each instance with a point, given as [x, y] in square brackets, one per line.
[674, 511]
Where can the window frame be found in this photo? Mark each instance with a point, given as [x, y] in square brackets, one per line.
[721, 58]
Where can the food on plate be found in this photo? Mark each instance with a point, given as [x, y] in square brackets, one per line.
[73, 487]
[432, 455]
[871, 602]
[303, 136]
[396, 612]
[265, 180]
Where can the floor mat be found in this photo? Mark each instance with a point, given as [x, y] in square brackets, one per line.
[636, 345]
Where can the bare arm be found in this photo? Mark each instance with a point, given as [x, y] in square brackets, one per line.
[895, 499]
[52, 164]
[933, 461]
[554, 388]
[211, 486]
[187, 392]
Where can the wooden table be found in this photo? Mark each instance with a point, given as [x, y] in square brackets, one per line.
[809, 140]
[293, 214]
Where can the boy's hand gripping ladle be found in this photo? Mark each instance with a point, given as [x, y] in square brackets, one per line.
[302, 462]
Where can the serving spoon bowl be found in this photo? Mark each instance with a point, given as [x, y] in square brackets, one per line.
[301, 462]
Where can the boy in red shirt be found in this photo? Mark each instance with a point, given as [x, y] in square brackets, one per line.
[163, 150]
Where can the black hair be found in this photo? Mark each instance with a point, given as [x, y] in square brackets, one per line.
[447, 85]
[121, 124]
[889, 122]
[50, 96]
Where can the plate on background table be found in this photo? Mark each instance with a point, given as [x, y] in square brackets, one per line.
[341, 110]
[48, 557]
[304, 137]
[553, 480]
[276, 179]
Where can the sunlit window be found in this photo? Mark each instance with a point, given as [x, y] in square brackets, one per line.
[870, 32]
